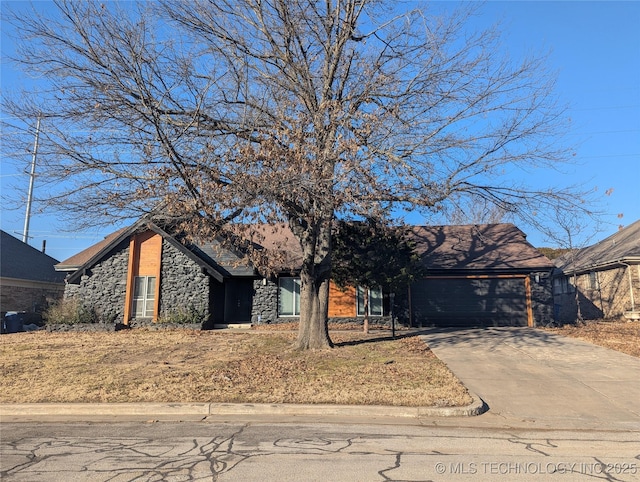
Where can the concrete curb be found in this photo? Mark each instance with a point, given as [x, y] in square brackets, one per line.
[177, 411]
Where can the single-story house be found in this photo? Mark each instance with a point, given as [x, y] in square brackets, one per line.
[28, 280]
[606, 276]
[476, 275]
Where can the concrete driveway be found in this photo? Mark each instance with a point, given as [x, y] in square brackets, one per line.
[538, 379]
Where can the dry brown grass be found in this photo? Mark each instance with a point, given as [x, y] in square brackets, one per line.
[217, 366]
[621, 336]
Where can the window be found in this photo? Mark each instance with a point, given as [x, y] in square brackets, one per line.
[568, 284]
[375, 301]
[563, 285]
[593, 280]
[571, 284]
[144, 293]
[289, 297]
[557, 286]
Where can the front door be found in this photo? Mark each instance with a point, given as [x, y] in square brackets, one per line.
[238, 300]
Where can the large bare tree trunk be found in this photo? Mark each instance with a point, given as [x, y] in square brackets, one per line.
[314, 310]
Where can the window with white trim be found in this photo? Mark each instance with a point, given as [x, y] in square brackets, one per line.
[144, 294]
[375, 301]
[289, 297]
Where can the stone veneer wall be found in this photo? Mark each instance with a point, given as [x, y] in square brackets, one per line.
[265, 303]
[373, 320]
[103, 287]
[541, 299]
[184, 288]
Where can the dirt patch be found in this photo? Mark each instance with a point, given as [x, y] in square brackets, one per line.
[621, 336]
[222, 366]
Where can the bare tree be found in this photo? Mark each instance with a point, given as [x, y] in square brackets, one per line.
[475, 211]
[571, 232]
[243, 111]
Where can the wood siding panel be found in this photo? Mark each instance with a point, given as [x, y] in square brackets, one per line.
[149, 245]
[342, 303]
[131, 273]
[527, 287]
[145, 255]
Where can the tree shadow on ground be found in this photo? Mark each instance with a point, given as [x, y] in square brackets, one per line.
[491, 337]
[385, 337]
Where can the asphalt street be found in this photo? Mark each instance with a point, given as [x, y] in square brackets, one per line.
[236, 451]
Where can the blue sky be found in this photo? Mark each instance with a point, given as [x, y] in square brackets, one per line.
[594, 47]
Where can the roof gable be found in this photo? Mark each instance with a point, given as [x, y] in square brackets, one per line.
[18, 260]
[621, 247]
[93, 254]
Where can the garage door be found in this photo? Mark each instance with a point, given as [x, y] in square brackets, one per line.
[469, 302]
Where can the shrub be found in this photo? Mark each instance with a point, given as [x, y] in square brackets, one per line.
[184, 316]
[69, 312]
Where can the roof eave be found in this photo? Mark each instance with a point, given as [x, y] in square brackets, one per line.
[66, 267]
[601, 265]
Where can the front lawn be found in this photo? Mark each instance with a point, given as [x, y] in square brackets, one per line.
[142, 365]
[621, 336]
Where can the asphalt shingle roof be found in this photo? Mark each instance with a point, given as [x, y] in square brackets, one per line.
[79, 259]
[18, 260]
[622, 246]
[489, 247]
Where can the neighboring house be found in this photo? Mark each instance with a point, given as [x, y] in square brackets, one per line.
[28, 280]
[476, 275]
[606, 276]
